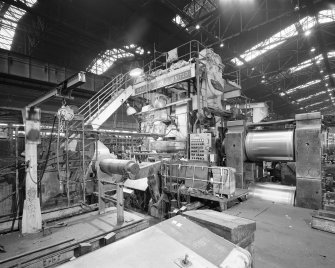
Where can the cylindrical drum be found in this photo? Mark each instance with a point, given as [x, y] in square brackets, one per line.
[275, 145]
[118, 166]
[277, 193]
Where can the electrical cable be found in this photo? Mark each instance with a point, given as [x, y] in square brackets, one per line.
[48, 152]
[57, 151]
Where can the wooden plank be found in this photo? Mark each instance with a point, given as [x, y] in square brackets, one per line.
[324, 220]
[235, 229]
[329, 207]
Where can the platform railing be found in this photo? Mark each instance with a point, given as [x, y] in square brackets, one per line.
[199, 177]
[93, 106]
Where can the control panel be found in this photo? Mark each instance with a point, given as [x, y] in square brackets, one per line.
[200, 146]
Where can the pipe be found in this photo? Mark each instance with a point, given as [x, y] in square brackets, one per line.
[118, 166]
[275, 145]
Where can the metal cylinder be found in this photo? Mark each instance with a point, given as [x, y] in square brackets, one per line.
[277, 193]
[275, 145]
[118, 166]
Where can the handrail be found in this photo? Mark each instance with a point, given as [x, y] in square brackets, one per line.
[94, 106]
[102, 89]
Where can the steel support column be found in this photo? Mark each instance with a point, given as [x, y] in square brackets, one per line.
[308, 152]
[235, 151]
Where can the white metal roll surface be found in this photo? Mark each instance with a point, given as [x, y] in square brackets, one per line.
[275, 145]
[273, 192]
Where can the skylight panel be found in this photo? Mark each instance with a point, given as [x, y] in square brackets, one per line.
[300, 66]
[308, 84]
[268, 44]
[331, 54]
[237, 62]
[139, 50]
[311, 96]
[106, 59]
[179, 21]
[8, 24]
[305, 64]
[326, 16]
[316, 103]
[307, 23]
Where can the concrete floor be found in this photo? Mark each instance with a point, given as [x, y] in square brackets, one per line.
[284, 237]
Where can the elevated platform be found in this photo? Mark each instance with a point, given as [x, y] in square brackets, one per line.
[67, 239]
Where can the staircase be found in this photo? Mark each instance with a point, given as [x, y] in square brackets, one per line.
[106, 101]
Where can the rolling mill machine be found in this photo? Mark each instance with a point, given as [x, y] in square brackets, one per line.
[304, 140]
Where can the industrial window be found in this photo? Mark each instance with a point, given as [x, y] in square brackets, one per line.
[306, 23]
[107, 58]
[9, 21]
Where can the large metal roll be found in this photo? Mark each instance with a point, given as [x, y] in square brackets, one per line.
[118, 166]
[275, 145]
[277, 193]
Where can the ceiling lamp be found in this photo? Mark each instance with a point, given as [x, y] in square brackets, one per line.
[307, 33]
[221, 45]
[312, 49]
[130, 110]
[197, 26]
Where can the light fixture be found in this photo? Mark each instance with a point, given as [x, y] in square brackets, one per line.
[221, 45]
[148, 52]
[263, 76]
[296, 8]
[263, 81]
[197, 26]
[307, 33]
[130, 110]
[312, 49]
[136, 72]
[321, 72]
[253, 69]
[326, 84]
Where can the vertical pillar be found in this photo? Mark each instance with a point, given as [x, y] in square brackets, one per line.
[119, 205]
[235, 151]
[308, 152]
[101, 190]
[31, 218]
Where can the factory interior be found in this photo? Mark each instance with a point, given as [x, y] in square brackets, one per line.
[167, 133]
